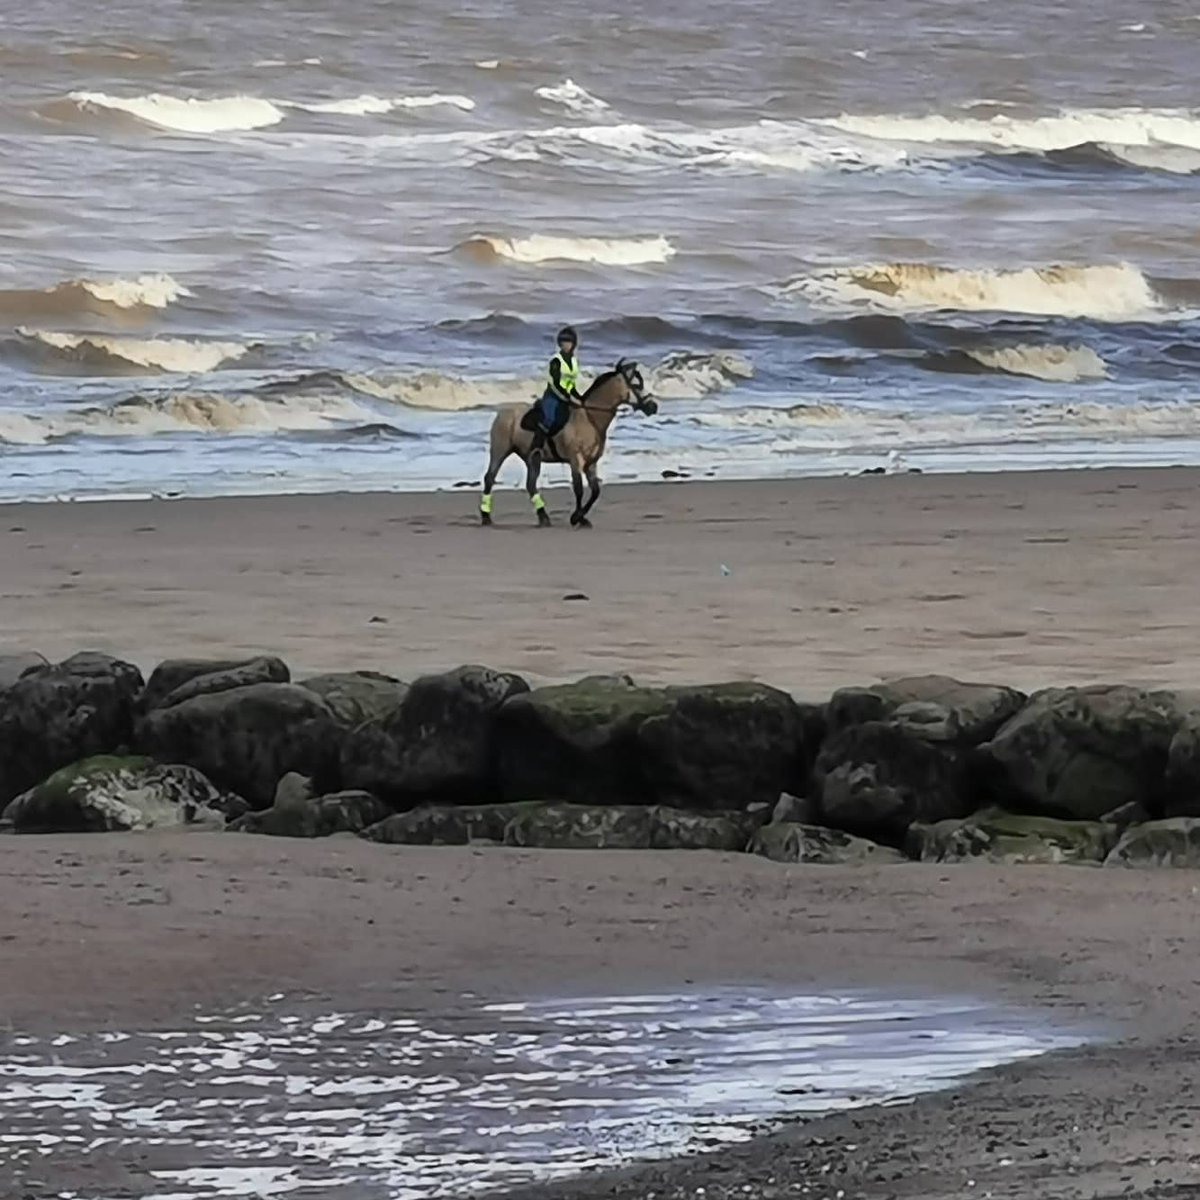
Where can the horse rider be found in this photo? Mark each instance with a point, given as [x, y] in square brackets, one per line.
[562, 390]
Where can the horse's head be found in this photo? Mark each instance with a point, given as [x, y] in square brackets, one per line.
[638, 397]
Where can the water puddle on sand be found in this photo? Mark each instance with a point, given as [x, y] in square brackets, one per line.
[481, 1096]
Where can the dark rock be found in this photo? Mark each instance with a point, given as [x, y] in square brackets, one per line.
[796, 842]
[605, 740]
[876, 778]
[1182, 783]
[13, 666]
[1124, 816]
[626, 827]
[110, 793]
[1171, 843]
[583, 827]
[258, 670]
[248, 738]
[357, 696]
[674, 829]
[56, 715]
[794, 810]
[300, 814]
[1081, 752]
[181, 678]
[576, 742]
[724, 746]
[447, 824]
[937, 707]
[440, 743]
[1002, 837]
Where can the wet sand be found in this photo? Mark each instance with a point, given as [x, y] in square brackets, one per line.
[139, 930]
[1057, 577]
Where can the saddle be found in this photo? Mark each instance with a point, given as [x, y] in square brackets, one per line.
[531, 423]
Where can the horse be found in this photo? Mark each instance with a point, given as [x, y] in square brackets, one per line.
[580, 443]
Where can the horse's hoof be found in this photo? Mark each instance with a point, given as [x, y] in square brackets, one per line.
[581, 522]
[485, 518]
[544, 521]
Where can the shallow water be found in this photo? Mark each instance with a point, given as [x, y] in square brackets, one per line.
[310, 246]
[259, 1103]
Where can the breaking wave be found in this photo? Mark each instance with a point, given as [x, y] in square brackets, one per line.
[1114, 292]
[185, 412]
[367, 105]
[573, 98]
[186, 115]
[1071, 127]
[338, 401]
[681, 375]
[685, 375]
[231, 114]
[104, 355]
[543, 248]
[829, 426]
[78, 297]
[1054, 364]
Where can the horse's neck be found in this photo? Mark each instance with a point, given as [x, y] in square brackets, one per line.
[601, 406]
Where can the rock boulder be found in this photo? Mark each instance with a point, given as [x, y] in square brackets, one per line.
[108, 793]
[439, 743]
[937, 707]
[792, 842]
[358, 696]
[876, 778]
[247, 738]
[1174, 842]
[1002, 837]
[298, 812]
[1078, 753]
[180, 679]
[53, 716]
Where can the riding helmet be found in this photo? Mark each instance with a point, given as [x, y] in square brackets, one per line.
[567, 333]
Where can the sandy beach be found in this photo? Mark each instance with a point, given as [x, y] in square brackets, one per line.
[1025, 579]
[1067, 577]
[132, 931]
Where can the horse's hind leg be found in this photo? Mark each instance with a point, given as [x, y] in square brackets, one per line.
[495, 462]
[533, 469]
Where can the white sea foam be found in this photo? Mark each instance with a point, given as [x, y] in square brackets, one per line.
[230, 114]
[150, 354]
[184, 412]
[1071, 127]
[573, 98]
[544, 248]
[1108, 292]
[368, 105]
[188, 115]
[76, 297]
[1054, 364]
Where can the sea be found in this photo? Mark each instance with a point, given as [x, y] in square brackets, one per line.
[313, 246]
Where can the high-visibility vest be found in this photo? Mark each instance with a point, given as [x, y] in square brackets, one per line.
[568, 373]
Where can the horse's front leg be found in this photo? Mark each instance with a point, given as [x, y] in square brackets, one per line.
[533, 470]
[594, 489]
[579, 516]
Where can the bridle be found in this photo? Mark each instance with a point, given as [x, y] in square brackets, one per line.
[640, 400]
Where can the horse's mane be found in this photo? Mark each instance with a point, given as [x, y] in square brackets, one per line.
[600, 380]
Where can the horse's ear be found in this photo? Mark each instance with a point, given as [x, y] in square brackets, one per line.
[620, 364]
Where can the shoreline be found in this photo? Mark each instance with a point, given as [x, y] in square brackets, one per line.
[1026, 579]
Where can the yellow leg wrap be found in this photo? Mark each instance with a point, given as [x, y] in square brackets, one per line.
[485, 503]
[538, 502]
